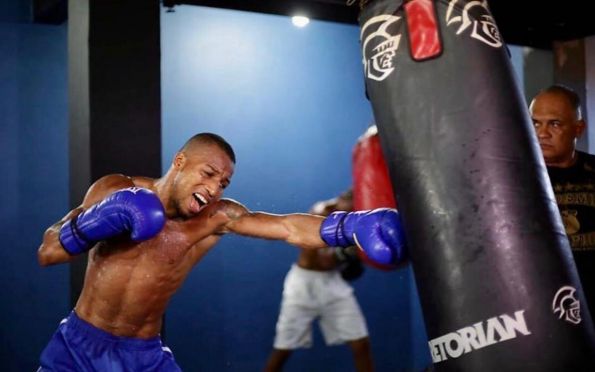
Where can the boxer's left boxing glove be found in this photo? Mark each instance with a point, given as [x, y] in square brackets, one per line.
[378, 233]
[133, 210]
[348, 262]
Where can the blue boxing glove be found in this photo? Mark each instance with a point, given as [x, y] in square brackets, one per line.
[378, 233]
[135, 210]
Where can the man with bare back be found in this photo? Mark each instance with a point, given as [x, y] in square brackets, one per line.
[145, 235]
[316, 290]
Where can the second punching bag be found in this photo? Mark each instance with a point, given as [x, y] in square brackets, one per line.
[372, 187]
[371, 183]
[498, 286]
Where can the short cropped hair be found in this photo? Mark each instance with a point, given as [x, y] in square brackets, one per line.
[572, 97]
[210, 138]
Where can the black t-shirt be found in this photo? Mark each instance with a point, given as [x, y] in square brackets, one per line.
[575, 194]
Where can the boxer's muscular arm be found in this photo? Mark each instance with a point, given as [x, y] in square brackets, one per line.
[50, 251]
[302, 230]
[378, 233]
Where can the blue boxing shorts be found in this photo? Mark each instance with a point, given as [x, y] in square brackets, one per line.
[79, 346]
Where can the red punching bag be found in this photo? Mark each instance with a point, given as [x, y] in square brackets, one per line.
[372, 187]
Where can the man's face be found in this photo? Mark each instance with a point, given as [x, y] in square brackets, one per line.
[203, 174]
[557, 128]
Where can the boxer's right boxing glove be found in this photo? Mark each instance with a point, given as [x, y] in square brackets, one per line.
[378, 233]
[133, 210]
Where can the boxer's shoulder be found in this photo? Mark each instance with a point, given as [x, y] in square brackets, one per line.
[144, 182]
[106, 185]
[230, 208]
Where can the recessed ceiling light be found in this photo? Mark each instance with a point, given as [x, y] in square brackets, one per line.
[300, 21]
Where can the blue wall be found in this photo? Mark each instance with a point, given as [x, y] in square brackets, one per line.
[17, 11]
[291, 103]
[34, 153]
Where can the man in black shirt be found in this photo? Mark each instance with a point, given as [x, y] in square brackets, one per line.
[558, 122]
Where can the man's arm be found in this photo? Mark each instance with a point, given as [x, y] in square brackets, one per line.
[377, 232]
[299, 229]
[51, 250]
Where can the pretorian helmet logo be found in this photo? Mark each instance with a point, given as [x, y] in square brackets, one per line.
[379, 48]
[566, 305]
[474, 14]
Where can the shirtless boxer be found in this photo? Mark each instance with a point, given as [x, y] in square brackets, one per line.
[144, 236]
[315, 288]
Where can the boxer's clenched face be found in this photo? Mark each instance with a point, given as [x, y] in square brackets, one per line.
[557, 127]
[203, 174]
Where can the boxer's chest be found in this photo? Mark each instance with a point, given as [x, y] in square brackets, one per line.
[178, 242]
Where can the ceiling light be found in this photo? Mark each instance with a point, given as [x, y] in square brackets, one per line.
[300, 21]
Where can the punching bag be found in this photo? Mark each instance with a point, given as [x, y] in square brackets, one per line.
[372, 186]
[498, 285]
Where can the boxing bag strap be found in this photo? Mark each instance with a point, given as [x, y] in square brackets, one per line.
[424, 38]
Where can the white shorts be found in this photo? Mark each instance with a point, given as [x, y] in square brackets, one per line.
[308, 295]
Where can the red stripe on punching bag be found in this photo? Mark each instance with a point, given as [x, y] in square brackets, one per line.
[424, 41]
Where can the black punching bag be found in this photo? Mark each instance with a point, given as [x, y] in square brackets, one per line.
[494, 270]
